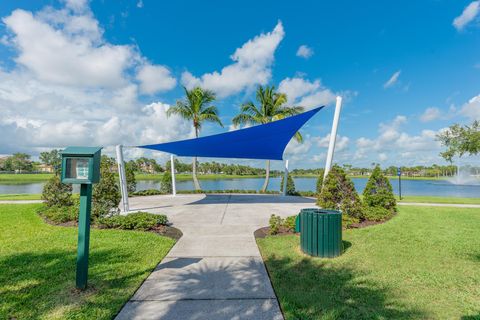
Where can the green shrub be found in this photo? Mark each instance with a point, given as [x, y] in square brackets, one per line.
[106, 193]
[275, 223]
[149, 192]
[378, 191]
[376, 213]
[348, 221]
[60, 214]
[57, 194]
[339, 193]
[289, 223]
[290, 186]
[130, 175]
[166, 183]
[307, 193]
[133, 221]
[320, 181]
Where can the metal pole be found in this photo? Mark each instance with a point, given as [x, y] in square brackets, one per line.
[172, 168]
[123, 179]
[83, 235]
[400, 186]
[333, 137]
[285, 179]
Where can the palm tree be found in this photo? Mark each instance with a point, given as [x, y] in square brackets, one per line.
[196, 107]
[271, 107]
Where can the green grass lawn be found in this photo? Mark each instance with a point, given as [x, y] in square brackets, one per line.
[37, 263]
[424, 263]
[22, 196]
[451, 200]
[11, 178]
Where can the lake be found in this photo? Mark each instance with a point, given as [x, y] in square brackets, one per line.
[440, 188]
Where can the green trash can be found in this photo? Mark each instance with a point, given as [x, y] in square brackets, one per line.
[321, 232]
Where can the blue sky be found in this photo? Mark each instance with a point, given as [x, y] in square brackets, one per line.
[104, 72]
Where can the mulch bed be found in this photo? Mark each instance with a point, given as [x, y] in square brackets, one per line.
[166, 231]
[265, 231]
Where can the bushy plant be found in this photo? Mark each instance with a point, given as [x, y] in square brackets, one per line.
[376, 213]
[378, 192]
[290, 186]
[275, 222]
[348, 221]
[339, 193]
[106, 193]
[130, 175]
[133, 221]
[166, 183]
[57, 194]
[60, 214]
[320, 181]
[289, 223]
[149, 192]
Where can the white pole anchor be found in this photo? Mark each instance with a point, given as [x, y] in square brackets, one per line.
[333, 137]
[172, 169]
[123, 179]
[285, 179]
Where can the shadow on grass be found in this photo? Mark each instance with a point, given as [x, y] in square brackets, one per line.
[346, 245]
[312, 289]
[37, 285]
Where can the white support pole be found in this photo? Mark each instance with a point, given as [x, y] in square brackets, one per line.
[123, 179]
[333, 136]
[285, 179]
[172, 168]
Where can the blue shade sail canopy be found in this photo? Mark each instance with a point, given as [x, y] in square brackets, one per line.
[267, 141]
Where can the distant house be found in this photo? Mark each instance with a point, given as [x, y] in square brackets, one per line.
[147, 167]
[42, 167]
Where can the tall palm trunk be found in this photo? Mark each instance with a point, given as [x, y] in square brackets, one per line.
[196, 184]
[267, 176]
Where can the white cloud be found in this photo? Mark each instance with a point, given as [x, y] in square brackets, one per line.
[392, 141]
[251, 66]
[341, 143]
[71, 87]
[471, 109]
[430, 114]
[154, 79]
[63, 48]
[393, 80]
[304, 51]
[306, 93]
[467, 16]
[140, 4]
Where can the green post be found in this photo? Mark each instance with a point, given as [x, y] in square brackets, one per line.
[83, 235]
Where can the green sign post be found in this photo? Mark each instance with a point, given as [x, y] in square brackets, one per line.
[81, 165]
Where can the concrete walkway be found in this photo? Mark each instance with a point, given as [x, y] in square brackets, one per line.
[20, 201]
[215, 270]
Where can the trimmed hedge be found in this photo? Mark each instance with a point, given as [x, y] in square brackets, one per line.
[134, 221]
[376, 213]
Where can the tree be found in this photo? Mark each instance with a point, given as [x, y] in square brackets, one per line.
[130, 175]
[378, 192]
[166, 183]
[271, 107]
[19, 162]
[196, 107]
[320, 181]
[339, 193]
[290, 186]
[460, 140]
[106, 193]
[53, 159]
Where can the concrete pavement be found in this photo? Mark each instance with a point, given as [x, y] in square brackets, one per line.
[215, 270]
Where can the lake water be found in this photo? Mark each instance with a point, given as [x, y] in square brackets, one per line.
[440, 188]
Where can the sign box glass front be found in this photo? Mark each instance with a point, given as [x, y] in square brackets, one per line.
[77, 168]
